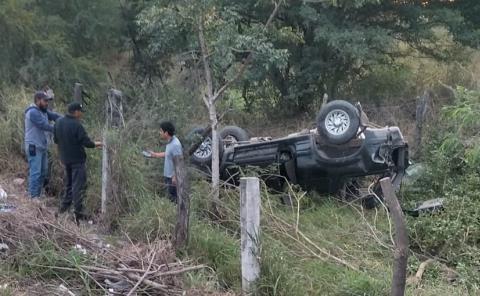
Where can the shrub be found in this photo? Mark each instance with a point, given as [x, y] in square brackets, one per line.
[452, 159]
[154, 218]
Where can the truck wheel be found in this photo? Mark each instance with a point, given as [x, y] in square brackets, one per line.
[338, 122]
[203, 155]
[231, 135]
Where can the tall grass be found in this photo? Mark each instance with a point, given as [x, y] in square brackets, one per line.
[291, 265]
[13, 102]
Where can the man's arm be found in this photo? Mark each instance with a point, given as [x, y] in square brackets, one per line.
[40, 121]
[53, 116]
[157, 154]
[83, 139]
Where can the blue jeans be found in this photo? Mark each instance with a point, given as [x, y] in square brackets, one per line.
[38, 169]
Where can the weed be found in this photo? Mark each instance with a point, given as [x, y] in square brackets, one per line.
[154, 218]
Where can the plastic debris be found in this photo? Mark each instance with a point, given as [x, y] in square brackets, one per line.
[4, 249]
[80, 249]
[3, 193]
[18, 181]
[65, 290]
[5, 208]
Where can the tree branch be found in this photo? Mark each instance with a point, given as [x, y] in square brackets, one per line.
[249, 58]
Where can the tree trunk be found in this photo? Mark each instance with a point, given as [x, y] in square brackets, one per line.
[215, 153]
[209, 100]
[211, 96]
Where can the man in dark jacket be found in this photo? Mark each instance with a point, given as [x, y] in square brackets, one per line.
[72, 139]
[37, 130]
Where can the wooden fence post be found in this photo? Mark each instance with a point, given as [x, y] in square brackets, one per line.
[183, 202]
[250, 233]
[105, 165]
[78, 93]
[400, 254]
[105, 172]
[113, 118]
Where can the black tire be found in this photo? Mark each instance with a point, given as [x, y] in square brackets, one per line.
[203, 155]
[233, 134]
[347, 126]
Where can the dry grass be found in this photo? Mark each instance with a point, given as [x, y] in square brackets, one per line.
[54, 250]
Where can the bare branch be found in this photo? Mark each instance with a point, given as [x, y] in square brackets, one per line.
[140, 280]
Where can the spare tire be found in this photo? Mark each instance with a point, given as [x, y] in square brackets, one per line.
[230, 135]
[203, 155]
[338, 122]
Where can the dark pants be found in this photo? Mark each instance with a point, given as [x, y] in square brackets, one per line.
[171, 189]
[75, 185]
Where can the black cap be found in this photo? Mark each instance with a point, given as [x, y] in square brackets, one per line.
[41, 95]
[74, 106]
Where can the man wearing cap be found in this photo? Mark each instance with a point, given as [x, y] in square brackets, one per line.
[37, 127]
[72, 139]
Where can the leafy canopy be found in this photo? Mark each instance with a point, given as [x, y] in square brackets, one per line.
[314, 47]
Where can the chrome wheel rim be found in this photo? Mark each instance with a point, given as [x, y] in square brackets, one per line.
[337, 122]
[205, 149]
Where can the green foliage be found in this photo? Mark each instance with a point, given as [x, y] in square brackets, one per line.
[311, 48]
[136, 187]
[57, 43]
[286, 267]
[154, 218]
[215, 247]
[356, 48]
[172, 28]
[452, 173]
[383, 82]
[90, 26]
[7, 291]
[43, 260]
[13, 102]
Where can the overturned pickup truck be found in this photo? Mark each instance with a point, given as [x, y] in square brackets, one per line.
[343, 147]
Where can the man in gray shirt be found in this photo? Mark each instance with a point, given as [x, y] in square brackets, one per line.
[174, 148]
